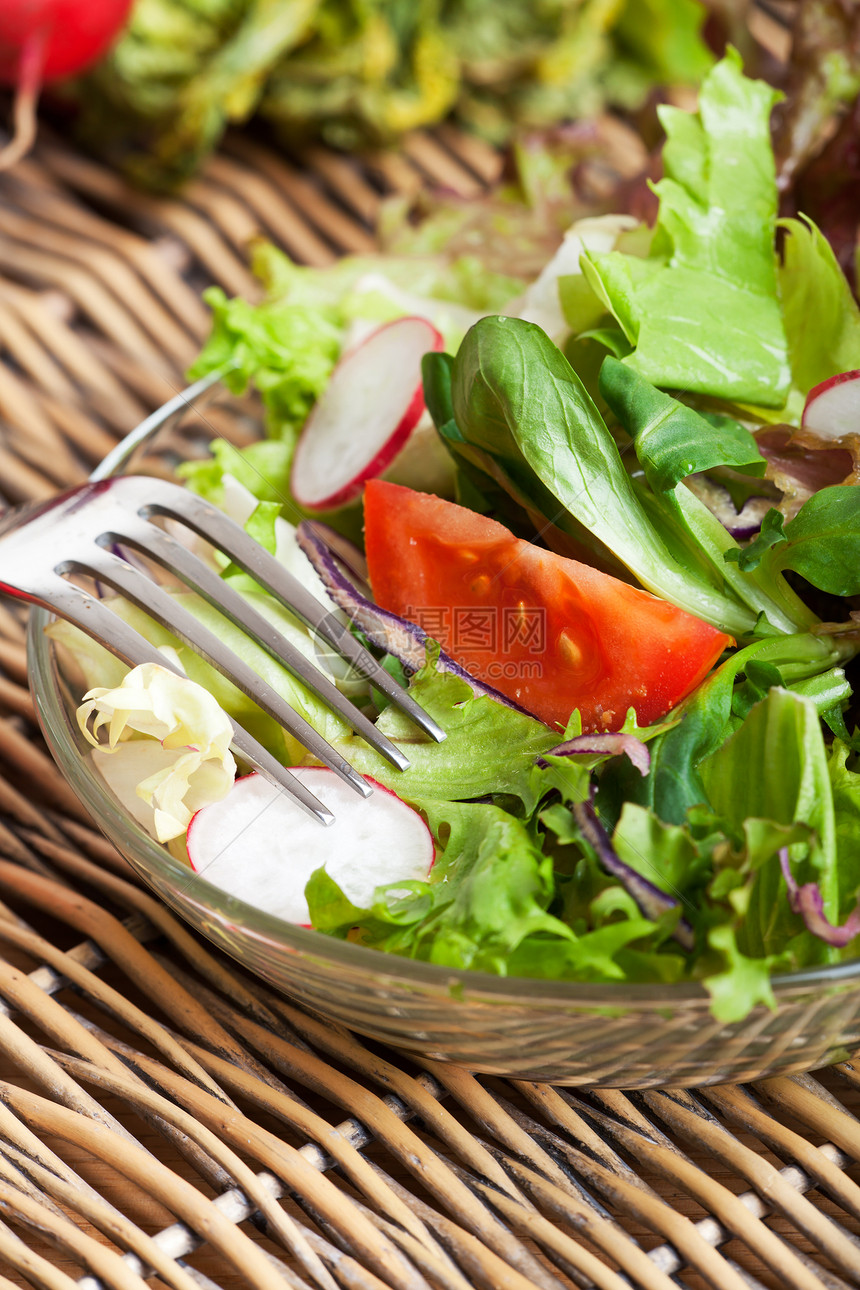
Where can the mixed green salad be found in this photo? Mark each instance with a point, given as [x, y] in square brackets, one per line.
[362, 74]
[645, 402]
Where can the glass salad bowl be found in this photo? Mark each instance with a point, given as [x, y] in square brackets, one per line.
[602, 1036]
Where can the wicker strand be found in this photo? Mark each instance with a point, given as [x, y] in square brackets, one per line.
[66, 1235]
[147, 1255]
[148, 1173]
[34, 1267]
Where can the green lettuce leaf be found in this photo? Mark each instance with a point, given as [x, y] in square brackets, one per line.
[775, 768]
[812, 285]
[664, 36]
[286, 350]
[845, 786]
[822, 542]
[702, 311]
[488, 749]
[665, 854]
[743, 983]
[712, 713]
[262, 467]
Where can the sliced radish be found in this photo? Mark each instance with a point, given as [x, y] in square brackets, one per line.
[832, 409]
[364, 416]
[259, 845]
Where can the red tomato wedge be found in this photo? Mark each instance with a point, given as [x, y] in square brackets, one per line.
[549, 632]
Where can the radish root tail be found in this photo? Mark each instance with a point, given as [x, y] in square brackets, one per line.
[24, 119]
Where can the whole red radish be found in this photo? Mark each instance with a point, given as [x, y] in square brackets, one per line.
[45, 40]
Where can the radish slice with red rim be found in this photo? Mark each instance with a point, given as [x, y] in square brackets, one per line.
[364, 416]
[259, 845]
[832, 409]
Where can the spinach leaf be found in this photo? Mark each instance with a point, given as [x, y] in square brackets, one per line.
[671, 440]
[770, 534]
[518, 402]
[822, 542]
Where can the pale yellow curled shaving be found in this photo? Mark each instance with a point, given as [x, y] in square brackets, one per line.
[168, 750]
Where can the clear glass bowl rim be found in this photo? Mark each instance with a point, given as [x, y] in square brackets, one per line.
[57, 725]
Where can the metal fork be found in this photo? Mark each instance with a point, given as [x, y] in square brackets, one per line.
[78, 533]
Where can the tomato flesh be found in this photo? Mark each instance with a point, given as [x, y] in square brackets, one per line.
[549, 632]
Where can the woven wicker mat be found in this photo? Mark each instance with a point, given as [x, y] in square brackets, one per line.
[163, 1117]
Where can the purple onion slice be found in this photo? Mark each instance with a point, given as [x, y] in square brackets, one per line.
[611, 745]
[406, 641]
[743, 523]
[806, 900]
[650, 899]
[346, 553]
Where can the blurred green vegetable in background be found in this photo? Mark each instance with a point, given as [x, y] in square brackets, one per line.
[361, 72]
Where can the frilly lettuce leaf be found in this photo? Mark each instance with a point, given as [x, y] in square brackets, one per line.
[743, 981]
[486, 906]
[287, 350]
[263, 468]
[488, 749]
[702, 311]
[182, 760]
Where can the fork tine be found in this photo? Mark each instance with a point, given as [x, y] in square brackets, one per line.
[106, 627]
[179, 561]
[153, 600]
[215, 527]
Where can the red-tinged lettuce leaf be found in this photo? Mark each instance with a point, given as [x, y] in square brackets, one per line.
[807, 901]
[612, 745]
[824, 78]
[828, 192]
[654, 902]
[799, 465]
